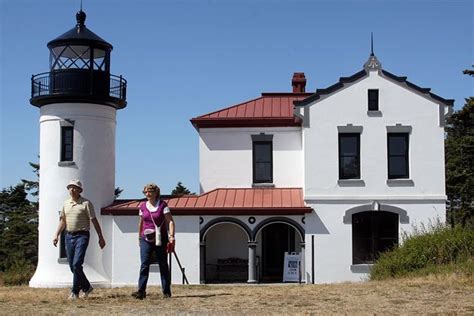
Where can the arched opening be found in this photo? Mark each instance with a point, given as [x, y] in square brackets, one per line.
[226, 253]
[273, 240]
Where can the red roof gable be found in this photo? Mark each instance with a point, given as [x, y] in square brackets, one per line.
[241, 201]
[271, 109]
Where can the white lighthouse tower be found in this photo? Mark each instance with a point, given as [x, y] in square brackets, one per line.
[78, 99]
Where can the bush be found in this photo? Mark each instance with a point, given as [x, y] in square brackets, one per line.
[425, 249]
[18, 274]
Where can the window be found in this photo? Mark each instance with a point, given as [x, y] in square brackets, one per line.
[349, 156]
[62, 245]
[262, 162]
[373, 233]
[397, 144]
[373, 96]
[67, 133]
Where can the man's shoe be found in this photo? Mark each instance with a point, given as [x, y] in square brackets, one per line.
[73, 296]
[85, 294]
[166, 295]
[139, 295]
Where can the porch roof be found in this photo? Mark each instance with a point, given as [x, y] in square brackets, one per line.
[226, 201]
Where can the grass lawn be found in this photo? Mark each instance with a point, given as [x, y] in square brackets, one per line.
[435, 294]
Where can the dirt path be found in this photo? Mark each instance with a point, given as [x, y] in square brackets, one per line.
[431, 295]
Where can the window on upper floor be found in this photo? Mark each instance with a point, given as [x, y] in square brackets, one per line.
[373, 97]
[262, 162]
[372, 234]
[349, 156]
[397, 148]
[67, 138]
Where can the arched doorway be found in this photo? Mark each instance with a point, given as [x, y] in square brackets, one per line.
[225, 245]
[274, 239]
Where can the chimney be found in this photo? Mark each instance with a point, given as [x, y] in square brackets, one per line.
[298, 82]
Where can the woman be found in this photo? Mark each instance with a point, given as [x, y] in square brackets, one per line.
[154, 215]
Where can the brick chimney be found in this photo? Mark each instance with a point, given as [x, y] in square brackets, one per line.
[298, 82]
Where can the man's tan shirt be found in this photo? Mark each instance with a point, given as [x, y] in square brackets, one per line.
[78, 214]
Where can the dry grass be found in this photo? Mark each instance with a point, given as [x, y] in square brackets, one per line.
[448, 294]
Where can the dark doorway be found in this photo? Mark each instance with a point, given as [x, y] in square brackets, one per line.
[276, 240]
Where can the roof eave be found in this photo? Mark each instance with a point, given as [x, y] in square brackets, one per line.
[186, 211]
[246, 122]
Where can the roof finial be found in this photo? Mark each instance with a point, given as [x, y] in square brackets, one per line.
[80, 17]
[373, 63]
[371, 43]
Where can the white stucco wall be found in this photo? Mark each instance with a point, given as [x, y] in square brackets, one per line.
[333, 238]
[398, 105]
[423, 199]
[94, 165]
[126, 252]
[225, 157]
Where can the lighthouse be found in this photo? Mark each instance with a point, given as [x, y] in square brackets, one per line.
[78, 100]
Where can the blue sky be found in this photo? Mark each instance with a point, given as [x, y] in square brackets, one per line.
[187, 58]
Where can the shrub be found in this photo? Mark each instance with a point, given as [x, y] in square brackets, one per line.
[425, 249]
[18, 274]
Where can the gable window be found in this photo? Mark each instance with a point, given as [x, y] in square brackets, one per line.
[67, 138]
[262, 162]
[373, 233]
[373, 97]
[397, 148]
[349, 156]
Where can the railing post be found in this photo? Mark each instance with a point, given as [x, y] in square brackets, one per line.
[120, 86]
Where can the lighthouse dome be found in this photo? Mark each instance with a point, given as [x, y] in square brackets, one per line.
[79, 71]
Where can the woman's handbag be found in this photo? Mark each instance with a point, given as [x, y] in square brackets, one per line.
[158, 234]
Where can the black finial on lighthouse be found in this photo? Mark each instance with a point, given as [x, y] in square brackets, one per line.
[80, 17]
[371, 44]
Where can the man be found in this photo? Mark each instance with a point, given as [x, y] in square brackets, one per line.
[76, 215]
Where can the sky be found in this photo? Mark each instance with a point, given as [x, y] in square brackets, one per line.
[186, 58]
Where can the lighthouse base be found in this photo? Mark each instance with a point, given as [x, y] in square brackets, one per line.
[61, 277]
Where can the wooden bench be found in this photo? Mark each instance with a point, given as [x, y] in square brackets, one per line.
[232, 269]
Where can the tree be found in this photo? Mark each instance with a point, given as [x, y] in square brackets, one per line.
[469, 72]
[32, 186]
[180, 190]
[18, 228]
[117, 192]
[460, 166]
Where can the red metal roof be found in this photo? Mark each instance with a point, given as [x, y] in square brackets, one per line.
[226, 201]
[271, 109]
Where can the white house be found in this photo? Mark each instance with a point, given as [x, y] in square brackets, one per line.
[335, 176]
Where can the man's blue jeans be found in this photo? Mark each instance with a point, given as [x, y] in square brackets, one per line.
[146, 249]
[76, 246]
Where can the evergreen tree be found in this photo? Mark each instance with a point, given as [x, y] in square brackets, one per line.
[32, 186]
[460, 166]
[180, 190]
[18, 228]
[117, 192]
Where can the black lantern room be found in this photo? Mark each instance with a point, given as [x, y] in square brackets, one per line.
[79, 71]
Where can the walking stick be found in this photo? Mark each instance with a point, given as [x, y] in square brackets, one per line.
[181, 268]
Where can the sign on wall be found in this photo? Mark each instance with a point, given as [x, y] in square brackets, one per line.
[291, 267]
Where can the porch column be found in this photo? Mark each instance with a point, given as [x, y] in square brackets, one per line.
[252, 261]
[302, 263]
[202, 255]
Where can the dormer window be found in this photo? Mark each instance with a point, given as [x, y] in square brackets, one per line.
[373, 97]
